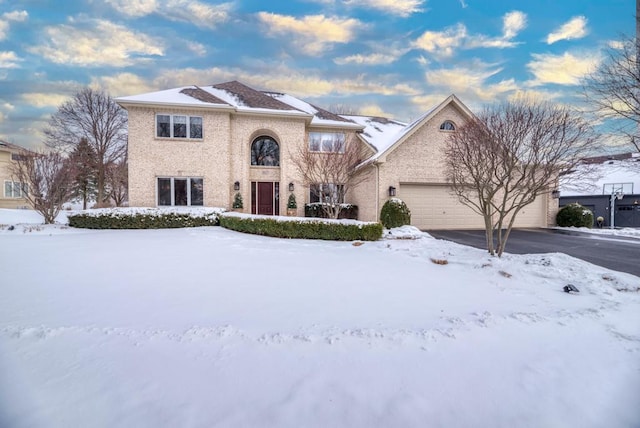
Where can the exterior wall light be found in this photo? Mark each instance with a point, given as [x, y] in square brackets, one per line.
[291, 187]
[236, 186]
[392, 191]
[555, 194]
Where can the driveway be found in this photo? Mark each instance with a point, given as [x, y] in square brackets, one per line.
[616, 253]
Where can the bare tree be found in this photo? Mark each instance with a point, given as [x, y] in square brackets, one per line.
[47, 179]
[94, 115]
[613, 89]
[343, 109]
[117, 181]
[330, 171]
[501, 161]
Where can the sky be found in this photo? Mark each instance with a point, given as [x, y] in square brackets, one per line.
[393, 58]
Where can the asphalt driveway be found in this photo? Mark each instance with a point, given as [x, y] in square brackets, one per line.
[617, 253]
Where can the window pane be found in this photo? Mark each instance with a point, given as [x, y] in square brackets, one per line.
[163, 125]
[197, 195]
[164, 191]
[314, 141]
[16, 190]
[265, 152]
[180, 191]
[179, 126]
[25, 189]
[339, 143]
[314, 193]
[195, 127]
[8, 189]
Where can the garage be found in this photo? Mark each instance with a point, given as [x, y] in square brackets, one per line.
[434, 207]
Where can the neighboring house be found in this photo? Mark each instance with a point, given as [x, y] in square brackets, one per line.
[12, 191]
[201, 145]
[612, 174]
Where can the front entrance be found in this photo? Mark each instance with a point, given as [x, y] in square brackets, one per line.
[265, 197]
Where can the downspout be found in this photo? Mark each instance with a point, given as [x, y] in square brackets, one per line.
[377, 191]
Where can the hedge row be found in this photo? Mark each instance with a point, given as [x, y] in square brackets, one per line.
[315, 209]
[144, 219]
[302, 229]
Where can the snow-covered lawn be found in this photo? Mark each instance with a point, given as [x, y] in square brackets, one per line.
[206, 327]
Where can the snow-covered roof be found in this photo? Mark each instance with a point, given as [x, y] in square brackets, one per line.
[379, 132]
[617, 173]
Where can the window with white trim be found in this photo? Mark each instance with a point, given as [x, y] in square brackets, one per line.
[178, 126]
[328, 142]
[180, 191]
[326, 193]
[15, 189]
[447, 125]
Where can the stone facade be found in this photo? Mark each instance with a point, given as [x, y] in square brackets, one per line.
[7, 200]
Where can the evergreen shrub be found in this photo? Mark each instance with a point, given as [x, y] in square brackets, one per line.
[395, 213]
[574, 215]
[348, 211]
[303, 229]
[151, 218]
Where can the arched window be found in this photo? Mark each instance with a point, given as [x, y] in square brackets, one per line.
[265, 152]
[447, 125]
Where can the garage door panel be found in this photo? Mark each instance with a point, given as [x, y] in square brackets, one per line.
[435, 207]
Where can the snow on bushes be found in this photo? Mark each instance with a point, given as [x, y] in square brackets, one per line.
[574, 215]
[145, 218]
[395, 213]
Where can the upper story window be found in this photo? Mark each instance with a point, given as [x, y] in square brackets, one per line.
[178, 126]
[18, 157]
[329, 142]
[265, 152]
[15, 189]
[447, 125]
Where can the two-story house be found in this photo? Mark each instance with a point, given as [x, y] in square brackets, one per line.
[200, 145]
[12, 191]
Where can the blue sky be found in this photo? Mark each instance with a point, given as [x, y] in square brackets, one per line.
[395, 58]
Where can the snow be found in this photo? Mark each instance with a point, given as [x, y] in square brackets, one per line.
[617, 172]
[205, 327]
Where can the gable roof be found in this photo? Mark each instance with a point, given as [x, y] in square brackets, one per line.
[391, 142]
[9, 147]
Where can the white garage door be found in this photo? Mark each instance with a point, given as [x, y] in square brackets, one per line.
[433, 207]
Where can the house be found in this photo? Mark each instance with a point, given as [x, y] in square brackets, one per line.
[615, 179]
[12, 191]
[200, 145]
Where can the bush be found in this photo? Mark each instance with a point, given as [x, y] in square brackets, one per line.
[144, 218]
[316, 210]
[574, 215]
[237, 202]
[395, 213]
[291, 203]
[303, 229]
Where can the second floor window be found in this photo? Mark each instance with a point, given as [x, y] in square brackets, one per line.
[265, 152]
[329, 142]
[178, 126]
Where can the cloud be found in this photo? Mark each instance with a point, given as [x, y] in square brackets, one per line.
[98, 43]
[134, 8]
[7, 17]
[312, 33]
[512, 23]
[471, 82]
[442, 43]
[373, 110]
[44, 100]
[123, 84]
[576, 28]
[565, 69]
[9, 59]
[402, 8]
[198, 13]
[370, 59]
[197, 48]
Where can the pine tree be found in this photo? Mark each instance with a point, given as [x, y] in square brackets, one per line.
[83, 164]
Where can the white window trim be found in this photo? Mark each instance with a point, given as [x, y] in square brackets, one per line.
[333, 144]
[173, 194]
[21, 189]
[171, 137]
[448, 130]
[334, 190]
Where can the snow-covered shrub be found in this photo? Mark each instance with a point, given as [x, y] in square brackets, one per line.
[237, 201]
[333, 230]
[291, 203]
[395, 213]
[145, 218]
[348, 211]
[574, 215]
